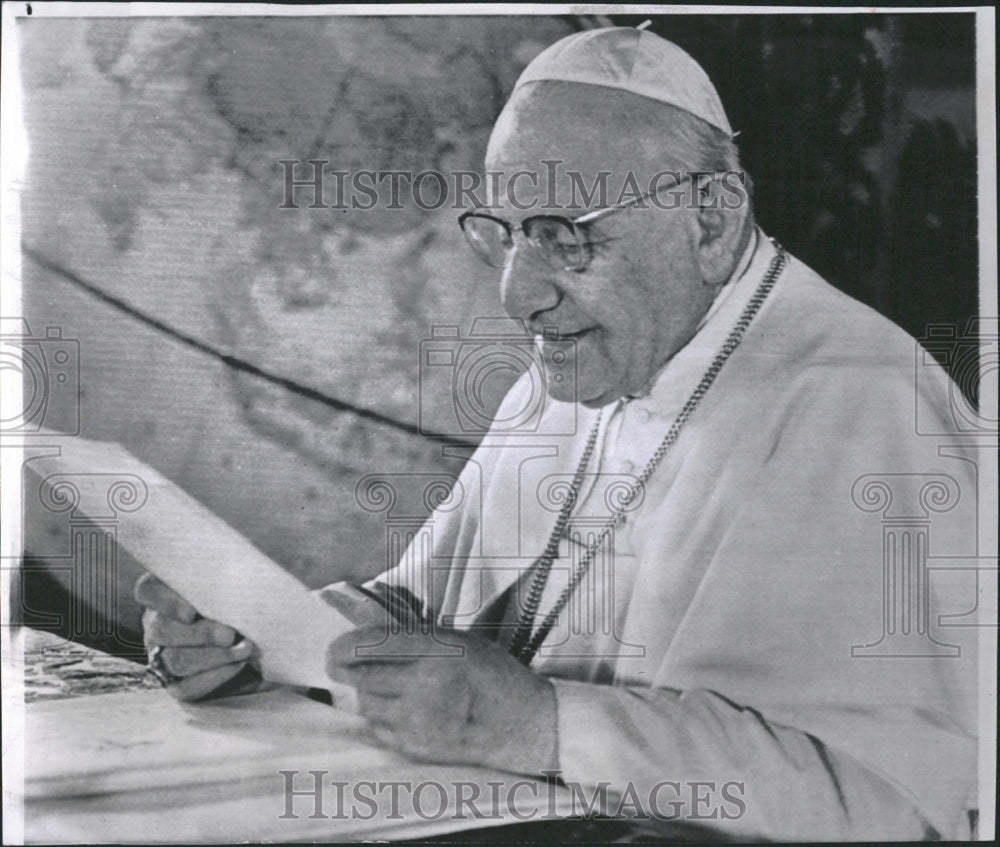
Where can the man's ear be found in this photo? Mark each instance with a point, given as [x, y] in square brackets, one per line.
[719, 243]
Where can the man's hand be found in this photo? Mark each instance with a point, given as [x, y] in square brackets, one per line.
[451, 698]
[200, 651]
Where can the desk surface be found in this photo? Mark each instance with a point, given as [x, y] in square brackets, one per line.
[111, 758]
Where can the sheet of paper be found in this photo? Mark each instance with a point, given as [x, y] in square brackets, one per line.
[194, 551]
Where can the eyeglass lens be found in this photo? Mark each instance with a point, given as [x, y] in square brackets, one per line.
[489, 238]
[557, 240]
[554, 237]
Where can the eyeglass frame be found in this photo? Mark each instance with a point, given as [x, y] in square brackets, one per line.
[585, 219]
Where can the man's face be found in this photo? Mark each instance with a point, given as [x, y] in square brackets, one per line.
[641, 296]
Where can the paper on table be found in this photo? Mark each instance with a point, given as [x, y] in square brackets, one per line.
[193, 551]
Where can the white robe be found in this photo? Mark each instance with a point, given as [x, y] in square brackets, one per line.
[715, 642]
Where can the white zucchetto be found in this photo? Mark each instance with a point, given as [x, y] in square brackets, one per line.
[631, 60]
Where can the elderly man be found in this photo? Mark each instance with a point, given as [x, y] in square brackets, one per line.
[713, 518]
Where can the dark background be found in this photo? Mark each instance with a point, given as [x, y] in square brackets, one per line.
[862, 167]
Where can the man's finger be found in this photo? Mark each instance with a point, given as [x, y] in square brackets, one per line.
[375, 643]
[391, 681]
[366, 644]
[342, 662]
[169, 632]
[201, 685]
[388, 712]
[391, 723]
[189, 661]
[155, 594]
[383, 733]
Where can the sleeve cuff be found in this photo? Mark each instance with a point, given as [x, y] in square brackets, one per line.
[582, 710]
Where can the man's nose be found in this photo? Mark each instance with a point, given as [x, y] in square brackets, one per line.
[528, 287]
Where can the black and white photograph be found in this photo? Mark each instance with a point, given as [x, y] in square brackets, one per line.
[485, 423]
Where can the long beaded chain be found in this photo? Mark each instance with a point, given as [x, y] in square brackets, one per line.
[523, 644]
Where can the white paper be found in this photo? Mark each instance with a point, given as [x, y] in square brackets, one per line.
[197, 554]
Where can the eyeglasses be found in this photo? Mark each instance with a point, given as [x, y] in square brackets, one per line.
[562, 241]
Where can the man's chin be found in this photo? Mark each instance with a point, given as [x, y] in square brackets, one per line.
[598, 402]
[593, 398]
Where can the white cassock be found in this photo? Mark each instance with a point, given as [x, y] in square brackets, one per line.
[764, 615]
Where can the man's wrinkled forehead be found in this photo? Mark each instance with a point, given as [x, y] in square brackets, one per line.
[586, 129]
[559, 119]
